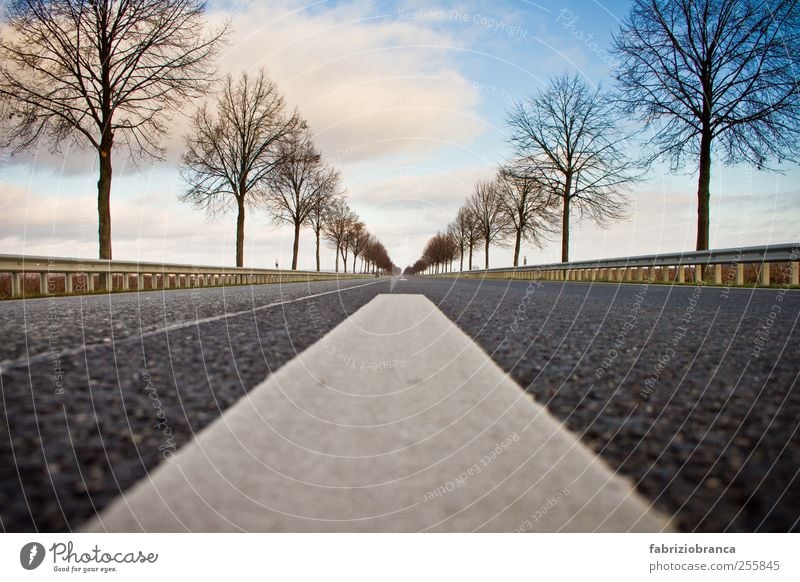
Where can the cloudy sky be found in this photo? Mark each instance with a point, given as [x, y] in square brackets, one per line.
[408, 99]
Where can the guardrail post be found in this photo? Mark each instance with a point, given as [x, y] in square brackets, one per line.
[698, 273]
[717, 274]
[765, 274]
[16, 284]
[739, 274]
[43, 283]
[794, 273]
[90, 281]
[68, 283]
[681, 273]
[665, 274]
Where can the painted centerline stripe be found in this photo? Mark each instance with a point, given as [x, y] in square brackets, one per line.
[445, 442]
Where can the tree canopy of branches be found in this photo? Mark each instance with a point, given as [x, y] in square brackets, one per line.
[486, 207]
[231, 152]
[299, 184]
[337, 228]
[528, 203]
[568, 137]
[713, 71]
[102, 73]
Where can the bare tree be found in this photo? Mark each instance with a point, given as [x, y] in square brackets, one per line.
[703, 71]
[472, 232]
[232, 151]
[569, 138]
[328, 179]
[358, 240]
[298, 185]
[337, 228]
[102, 73]
[492, 222]
[528, 203]
[457, 232]
[354, 229]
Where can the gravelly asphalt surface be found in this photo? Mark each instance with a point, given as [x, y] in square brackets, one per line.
[709, 434]
[82, 420]
[667, 384]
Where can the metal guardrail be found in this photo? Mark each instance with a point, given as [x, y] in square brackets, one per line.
[80, 275]
[704, 266]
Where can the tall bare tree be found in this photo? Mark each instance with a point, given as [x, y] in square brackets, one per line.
[298, 184]
[472, 232]
[713, 71]
[569, 137]
[337, 228]
[231, 152]
[491, 220]
[102, 73]
[528, 203]
[328, 179]
[358, 240]
[354, 229]
[457, 232]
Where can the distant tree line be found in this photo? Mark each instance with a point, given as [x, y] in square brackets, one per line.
[693, 73]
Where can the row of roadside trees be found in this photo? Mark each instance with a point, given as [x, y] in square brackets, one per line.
[568, 159]
[694, 74]
[110, 74]
[249, 151]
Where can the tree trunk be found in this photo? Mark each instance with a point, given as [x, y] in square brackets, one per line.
[486, 251]
[461, 261]
[295, 245]
[565, 220]
[317, 251]
[355, 259]
[704, 189]
[337, 259]
[469, 267]
[104, 199]
[517, 244]
[240, 233]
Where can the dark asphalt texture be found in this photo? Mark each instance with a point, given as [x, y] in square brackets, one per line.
[65, 455]
[690, 391]
[709, 434]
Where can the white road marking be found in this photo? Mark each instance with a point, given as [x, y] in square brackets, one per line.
[355, 435]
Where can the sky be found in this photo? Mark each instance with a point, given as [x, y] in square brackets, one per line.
[408, 100]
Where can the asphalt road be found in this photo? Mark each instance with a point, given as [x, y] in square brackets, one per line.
[690, 391]
[97, 390]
